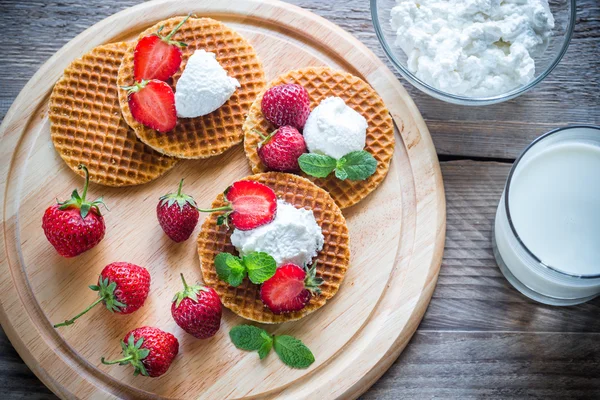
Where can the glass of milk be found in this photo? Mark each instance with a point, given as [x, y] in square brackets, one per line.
[547, 232]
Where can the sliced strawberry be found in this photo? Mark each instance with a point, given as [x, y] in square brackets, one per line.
[152, 103]
[249, 205]
[290, 289]
[156, 56]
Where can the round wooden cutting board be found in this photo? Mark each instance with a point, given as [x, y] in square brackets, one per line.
[396, 236]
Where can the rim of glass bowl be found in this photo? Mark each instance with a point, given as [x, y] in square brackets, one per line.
[464, 99]
[506, 197]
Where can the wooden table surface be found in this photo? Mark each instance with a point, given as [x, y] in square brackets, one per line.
[479, 337]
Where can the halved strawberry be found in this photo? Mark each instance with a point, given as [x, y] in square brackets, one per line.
[156, 56]
[152, 103]
[250, 204]
[290, 289]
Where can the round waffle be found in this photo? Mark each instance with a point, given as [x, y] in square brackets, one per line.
[218, 131]
[332, 261]
[323, 82]
[87, 127]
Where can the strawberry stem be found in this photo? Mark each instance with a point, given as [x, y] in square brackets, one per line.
[180, 186]
[87, 181]
[173, 32]
[185, 285]
[72, 320]
[124, 359]
[224, 208]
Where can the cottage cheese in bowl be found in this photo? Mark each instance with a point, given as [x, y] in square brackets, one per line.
[476, 48]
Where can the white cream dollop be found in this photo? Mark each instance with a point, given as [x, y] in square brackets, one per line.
[292, 237]
[203, 86]
[334, 129]
[473, 47]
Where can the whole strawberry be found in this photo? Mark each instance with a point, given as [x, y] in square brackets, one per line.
[290, 289]
[76, 225]
[150, 350]
[122, 287]
[286, 104]
[280, 150]
[177, 214]
[197, 310]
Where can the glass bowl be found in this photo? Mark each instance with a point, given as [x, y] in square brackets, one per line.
[564, 12]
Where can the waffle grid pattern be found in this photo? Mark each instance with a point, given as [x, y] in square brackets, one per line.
[323, 82]
[218, 131]
[332, 261]
[87, 127]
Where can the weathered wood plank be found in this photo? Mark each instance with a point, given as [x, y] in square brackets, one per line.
[498, 365]
[569, 95]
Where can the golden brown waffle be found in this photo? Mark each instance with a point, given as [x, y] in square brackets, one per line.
[87, 127]
[323, 82]
[332, 261]
[218, 131]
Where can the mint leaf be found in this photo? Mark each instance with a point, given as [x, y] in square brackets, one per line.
[236, 277]
[230, 269]
[265, 348]
[293, 352]
[248, 337]
[356, 166]
[317, 165]
[260, 266]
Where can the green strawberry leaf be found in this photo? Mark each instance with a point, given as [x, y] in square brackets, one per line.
[356, 166]
[317, 165]
[260, 266]
[230, 269]
[248, 337]
[293, 352]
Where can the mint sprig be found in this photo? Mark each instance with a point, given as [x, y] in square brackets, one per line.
[290, 350]
[354, 166]
[258, 266]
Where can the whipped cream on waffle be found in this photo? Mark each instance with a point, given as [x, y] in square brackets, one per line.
[292, 237]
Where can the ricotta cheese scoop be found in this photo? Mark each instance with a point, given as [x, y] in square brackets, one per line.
[334, 129]
[203, 86]
[292, 237]
[477, 48]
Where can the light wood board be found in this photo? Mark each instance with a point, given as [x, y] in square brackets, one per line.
[397, 236]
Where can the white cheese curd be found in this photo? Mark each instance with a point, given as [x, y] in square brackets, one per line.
[292, 237]
[334, 129]
[477, 48]
[203, 86]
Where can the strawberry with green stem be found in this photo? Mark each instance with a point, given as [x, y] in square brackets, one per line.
[177, 214]
[76, 225]
[149, 350]
[122, 287]
[280, 150]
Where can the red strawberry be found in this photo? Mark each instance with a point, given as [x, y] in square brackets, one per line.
[197, 310]
[177, 214]
[280, 150]
[150, 350]
[290, 289]
[286, 104]
[76, 225]
[152, 103]
[122, 287]
[156, 56]
[250, 204]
